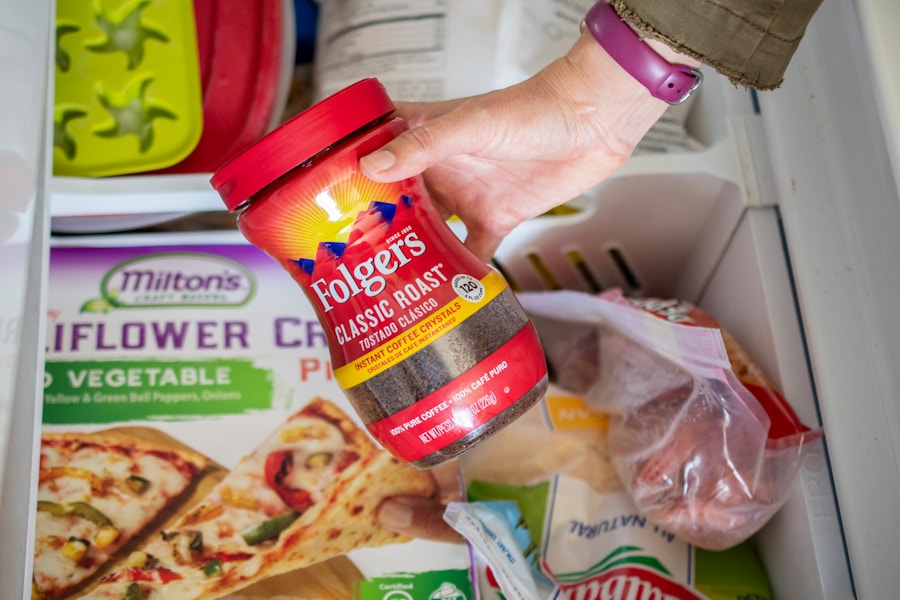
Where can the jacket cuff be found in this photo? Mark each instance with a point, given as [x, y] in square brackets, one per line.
[751, 43]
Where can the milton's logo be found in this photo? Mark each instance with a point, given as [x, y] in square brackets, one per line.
[172, 280]
[624, 575]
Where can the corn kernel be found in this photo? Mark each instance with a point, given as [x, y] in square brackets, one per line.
[106, 536]
[75, 548]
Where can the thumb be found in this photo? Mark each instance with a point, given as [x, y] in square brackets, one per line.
[416, 517]
[415, 150]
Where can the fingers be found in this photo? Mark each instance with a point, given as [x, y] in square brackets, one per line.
[424, 517]
[405, 156]
[448, 481]
[417, 517]
[417, 113]
[482, 245]
[411, 153]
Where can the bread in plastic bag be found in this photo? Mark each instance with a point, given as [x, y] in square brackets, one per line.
[702, 441]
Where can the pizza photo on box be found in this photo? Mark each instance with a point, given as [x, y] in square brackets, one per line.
[305, 496]
[97, 491]
[203, 347]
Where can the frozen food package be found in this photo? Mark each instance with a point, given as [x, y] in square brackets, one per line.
[430, 50]
[699, 437]
[421, 50]
[195, 443]
[571, 529]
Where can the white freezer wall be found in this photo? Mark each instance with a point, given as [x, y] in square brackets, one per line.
[24, 231]
[830, 133]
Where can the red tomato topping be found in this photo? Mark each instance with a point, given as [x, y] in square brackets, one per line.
[278, 466]
[152, 575]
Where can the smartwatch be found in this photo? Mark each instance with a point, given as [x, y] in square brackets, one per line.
[671, 83]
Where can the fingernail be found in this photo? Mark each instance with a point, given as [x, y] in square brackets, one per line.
[379, 161]
[395, 515]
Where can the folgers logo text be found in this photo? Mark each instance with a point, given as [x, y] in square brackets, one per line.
[368, 276]
[174, 279]
[629, 582]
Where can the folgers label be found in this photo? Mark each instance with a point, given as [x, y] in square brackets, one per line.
[386, 294]
[428, 342]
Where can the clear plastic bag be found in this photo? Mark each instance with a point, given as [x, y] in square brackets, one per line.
[702, 441]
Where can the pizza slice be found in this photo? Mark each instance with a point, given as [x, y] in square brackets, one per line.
[308, 493]
[96, 491]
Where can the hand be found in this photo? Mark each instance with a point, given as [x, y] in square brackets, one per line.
[500, 158]
[424, 517]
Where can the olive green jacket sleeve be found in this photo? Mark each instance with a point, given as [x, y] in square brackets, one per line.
[749, 41]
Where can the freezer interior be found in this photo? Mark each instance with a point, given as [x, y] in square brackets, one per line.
[702, 229]
[703, 225]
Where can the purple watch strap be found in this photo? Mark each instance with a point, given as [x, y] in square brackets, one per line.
[668, 82]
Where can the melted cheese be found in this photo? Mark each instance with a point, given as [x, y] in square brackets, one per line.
[308, 438]
[246, 499]
[128, 512]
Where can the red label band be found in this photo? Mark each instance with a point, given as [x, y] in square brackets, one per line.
[467, 402]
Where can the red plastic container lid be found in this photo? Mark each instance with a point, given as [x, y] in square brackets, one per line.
[241, 47]
[299, 139]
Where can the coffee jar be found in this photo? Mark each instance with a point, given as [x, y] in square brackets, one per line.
[429, 344]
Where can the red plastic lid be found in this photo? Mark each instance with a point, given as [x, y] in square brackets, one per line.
[299, 139]
[241, 53]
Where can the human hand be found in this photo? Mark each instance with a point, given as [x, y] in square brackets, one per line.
[500, 158]
[424, 517]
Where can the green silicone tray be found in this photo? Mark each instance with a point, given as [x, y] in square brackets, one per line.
[128, 94]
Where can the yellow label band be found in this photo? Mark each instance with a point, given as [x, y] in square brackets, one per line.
[422, 334]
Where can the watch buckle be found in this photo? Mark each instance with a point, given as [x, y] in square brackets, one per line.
[698, 79]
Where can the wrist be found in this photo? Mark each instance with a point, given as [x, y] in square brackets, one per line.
[597, 88]
[598, 74]
[650, 62]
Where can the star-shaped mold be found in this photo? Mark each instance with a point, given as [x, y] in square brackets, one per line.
[62, 138]
[131, 112]
[124, 31]
[63, 59]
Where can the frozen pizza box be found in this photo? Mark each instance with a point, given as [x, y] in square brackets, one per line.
[195, 443]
